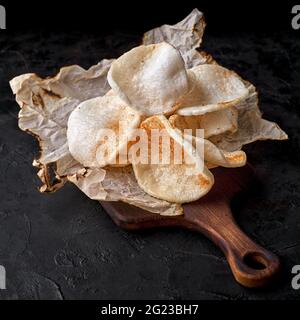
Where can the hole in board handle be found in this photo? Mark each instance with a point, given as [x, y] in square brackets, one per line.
[255, 261]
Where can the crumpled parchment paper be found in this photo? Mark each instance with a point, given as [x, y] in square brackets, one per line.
[47, 103]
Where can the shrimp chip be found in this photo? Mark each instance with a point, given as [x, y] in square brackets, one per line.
[99, 129]
[213, 88]
[214, 156]
[151, 79]
[174, 182]
[213, 123]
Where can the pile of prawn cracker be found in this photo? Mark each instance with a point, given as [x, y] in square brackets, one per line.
[167, 82]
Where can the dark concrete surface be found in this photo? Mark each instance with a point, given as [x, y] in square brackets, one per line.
[64, 246]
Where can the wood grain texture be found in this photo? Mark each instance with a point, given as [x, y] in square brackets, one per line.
[251, 264]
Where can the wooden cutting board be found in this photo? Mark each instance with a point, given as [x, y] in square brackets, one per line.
[251, 264]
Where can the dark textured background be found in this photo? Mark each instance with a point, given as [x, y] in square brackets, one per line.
[64, 246]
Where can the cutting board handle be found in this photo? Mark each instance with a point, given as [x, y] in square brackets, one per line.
[251, 264]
